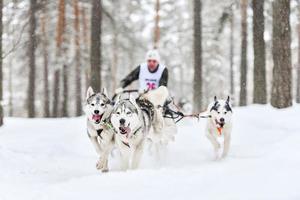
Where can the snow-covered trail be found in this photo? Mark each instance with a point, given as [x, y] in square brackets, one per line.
[53, 159]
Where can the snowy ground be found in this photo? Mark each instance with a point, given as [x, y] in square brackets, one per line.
[53, 159]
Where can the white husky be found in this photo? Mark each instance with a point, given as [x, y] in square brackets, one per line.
[97, 109]
[219, 125]
[131, 126]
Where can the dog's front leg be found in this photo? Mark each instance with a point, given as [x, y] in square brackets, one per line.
[137, 154]
[215, 144]
[226, 145]
[103, 161]
[125, 157]
[96, 145]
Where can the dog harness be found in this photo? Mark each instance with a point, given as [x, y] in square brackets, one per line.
[219, 129]
[99, 131]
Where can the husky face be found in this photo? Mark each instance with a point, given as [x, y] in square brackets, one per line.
[96, 105]
[125, 118]
[220, 112]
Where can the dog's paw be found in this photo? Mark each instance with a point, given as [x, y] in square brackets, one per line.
[100, 165]
[224, 155]
[104, 170]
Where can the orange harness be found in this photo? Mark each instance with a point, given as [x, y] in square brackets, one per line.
[219, 131]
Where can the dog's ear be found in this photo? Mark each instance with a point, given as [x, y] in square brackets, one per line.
[228, 99]
[215, 98]
[89, 92]
[104, 91]
[117, 99]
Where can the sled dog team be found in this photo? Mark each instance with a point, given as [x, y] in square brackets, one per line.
[128, 123]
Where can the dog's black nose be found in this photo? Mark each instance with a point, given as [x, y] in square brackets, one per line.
[96, 111]
[222, 119]
[122, 121]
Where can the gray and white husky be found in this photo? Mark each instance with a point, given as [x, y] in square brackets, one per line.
[219, 125]
[131, 127]
[97, 109]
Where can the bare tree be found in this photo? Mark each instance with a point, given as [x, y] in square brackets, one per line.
[243, 78]
[96, 45]
[31, 53]
[282, 72]
[197, 84]
[260, 88]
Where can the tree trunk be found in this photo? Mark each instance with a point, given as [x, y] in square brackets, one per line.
[1, 74]
[78, 106]
[46, 102]
[85, 45]
[96, 22]
[156, 28]
[231, 53]
[282, 72]
[260, 88]
[65, 108]
[243, 78]
[56, 93]
[114, 66]
[298, 66]
[31, 53]
[197, 85]
[10, 88]
[61, 44]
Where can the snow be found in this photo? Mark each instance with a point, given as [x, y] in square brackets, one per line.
[44, 159]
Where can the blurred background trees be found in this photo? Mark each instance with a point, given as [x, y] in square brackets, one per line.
[53, 50]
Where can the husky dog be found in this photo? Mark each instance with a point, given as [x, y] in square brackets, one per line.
[97, 109]
[219, 125]
[131, 126]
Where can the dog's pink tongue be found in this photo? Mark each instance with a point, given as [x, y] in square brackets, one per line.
[96, 117]
[127, 131]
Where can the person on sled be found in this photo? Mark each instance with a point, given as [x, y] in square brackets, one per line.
[150, 74]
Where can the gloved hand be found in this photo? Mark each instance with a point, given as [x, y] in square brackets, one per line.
[119, 90]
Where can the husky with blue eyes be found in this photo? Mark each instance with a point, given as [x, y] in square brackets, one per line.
[219, 125]
[131, 125]
[97, 109]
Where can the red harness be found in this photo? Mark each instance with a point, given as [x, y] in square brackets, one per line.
[219, 131]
